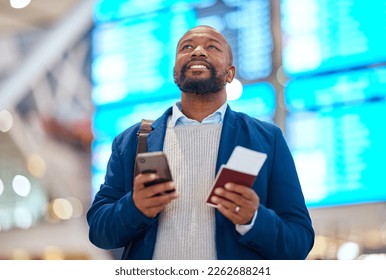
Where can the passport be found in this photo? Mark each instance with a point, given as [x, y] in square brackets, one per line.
[242, 168]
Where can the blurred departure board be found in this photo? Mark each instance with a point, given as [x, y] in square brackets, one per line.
[324, 92]
[134, 44]
[340, 154]
[329, 35]
[247, 26]
[336, 132]
[133, 58]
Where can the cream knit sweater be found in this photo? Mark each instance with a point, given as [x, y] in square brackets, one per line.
[187, 225]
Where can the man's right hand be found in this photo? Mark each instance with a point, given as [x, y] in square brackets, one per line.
[152, 200]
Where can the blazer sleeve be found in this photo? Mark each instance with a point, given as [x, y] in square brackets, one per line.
[113, 218]
[283, 228]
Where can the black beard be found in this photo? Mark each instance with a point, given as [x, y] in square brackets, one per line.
[211, 85]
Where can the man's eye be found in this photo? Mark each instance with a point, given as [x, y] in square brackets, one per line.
[213, 47]
[185, 47]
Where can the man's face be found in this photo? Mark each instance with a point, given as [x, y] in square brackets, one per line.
[202, 62]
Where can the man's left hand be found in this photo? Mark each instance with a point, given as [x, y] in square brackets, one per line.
[236, 202]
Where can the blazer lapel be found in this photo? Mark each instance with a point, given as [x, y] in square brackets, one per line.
[229, 138]
[157, 136]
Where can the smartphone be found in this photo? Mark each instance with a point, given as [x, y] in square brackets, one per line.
[155, 162]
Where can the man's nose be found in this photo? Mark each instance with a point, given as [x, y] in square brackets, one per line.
[199, 51]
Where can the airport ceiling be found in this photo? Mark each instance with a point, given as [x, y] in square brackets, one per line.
[39, 14]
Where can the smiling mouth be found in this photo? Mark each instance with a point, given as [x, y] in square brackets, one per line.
[198, 66]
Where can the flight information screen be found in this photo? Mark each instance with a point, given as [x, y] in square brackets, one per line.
[337, 135]
[134, 44]
[324, 36]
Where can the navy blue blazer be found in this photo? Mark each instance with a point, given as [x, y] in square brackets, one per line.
[282, 229]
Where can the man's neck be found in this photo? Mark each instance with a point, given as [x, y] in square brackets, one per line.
[198, 107]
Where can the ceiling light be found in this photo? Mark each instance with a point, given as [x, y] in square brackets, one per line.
[234, 90]
[36, 165]
[6, 120]
[1, 187]
[19, 4]
[21, 185]
[62, 208]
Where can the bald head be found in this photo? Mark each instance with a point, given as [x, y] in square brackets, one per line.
[206, 29]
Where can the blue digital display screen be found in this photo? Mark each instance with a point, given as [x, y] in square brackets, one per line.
[340, 154]
[109, 122]
[106, 11]
[257, 100]
[134, 44]
[325, 36]
[322, 92]
[133, 59]
[336, 132]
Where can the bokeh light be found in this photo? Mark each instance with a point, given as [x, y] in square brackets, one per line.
[21, 185]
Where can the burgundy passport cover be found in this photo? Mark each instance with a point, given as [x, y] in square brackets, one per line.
[227, 175]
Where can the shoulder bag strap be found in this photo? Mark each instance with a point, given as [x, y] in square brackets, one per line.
[142, 134]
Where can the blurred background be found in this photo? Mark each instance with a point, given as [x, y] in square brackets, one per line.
[73, 74]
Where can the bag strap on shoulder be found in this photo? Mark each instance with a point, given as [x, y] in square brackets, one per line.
[142, 134]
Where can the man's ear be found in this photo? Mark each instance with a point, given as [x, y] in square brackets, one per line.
[231, 74]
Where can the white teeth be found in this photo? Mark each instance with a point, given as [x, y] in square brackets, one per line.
[197, 66]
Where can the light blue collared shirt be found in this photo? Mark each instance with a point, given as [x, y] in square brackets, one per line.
[178, 118]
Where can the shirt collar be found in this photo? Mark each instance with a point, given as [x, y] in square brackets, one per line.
[178, 118]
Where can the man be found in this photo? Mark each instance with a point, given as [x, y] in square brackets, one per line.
[198, 134]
